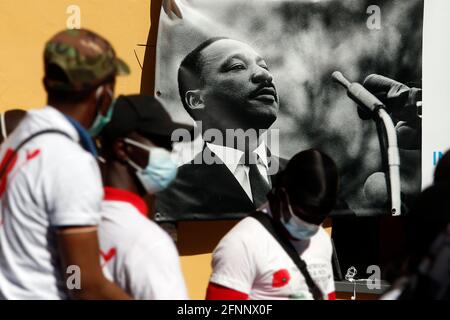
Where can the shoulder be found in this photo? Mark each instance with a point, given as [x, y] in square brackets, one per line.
[46, 118]
[155, 235]
[153, 246]
[321, 242]
[188, 192]
[68, 160]
[323, 236]
[62, 144]
[245, 226]
[195, 167]
[190, 176]
[247, 233]
[120, 220]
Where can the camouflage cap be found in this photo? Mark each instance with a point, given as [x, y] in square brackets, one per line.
[85, 58]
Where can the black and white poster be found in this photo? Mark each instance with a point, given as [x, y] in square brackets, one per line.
[255, 78]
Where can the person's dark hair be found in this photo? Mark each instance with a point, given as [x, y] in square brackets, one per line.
[311, 182]
[190, 70]
[429, 216]
[442, 172]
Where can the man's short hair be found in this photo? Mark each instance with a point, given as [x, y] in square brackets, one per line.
[190, 70]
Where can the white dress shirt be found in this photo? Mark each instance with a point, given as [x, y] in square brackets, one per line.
[235, 161]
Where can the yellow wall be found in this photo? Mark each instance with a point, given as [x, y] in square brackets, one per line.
[196, 241]
[26, 25]
[24, 28]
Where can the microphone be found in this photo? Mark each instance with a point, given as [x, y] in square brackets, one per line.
[359, 94]
[372, 106]
[403, 102]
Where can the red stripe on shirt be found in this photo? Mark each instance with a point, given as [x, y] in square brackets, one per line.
[218, 292]
[114, 194]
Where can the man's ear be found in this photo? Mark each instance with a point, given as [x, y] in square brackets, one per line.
[119, 149]
[104, 97]
[194, 99]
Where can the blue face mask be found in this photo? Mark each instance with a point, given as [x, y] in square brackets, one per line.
[160, 171]
[101, 120]
[298, 228]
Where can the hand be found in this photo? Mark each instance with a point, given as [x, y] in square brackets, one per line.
[170, 6]
[400, 100]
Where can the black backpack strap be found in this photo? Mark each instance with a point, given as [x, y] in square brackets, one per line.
[8, 161]
[274, 229]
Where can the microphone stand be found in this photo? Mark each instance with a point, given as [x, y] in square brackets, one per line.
[364, 98]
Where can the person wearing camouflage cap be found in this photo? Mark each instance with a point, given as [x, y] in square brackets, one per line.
[50, 183]
[79, 63]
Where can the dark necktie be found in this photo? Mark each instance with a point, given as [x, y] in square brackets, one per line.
[259, 186]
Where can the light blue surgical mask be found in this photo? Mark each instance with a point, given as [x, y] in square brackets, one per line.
[298, 228]
[160, 171]
[101, 120]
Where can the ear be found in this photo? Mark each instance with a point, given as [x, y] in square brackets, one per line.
[104, 95]
[194, 99]
[120, 150]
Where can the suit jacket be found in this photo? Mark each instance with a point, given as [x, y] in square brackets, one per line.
[206, 192]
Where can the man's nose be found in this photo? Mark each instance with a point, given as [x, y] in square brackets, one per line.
[262, 75]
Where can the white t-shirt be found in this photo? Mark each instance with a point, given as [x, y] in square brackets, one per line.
[53, 183]
[248, 259]
[136, 253]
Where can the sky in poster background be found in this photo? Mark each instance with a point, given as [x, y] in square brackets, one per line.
[303, 42]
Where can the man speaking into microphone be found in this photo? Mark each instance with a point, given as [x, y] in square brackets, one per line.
[225, 85]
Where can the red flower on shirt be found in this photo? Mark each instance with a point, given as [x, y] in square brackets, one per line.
[280, 278]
